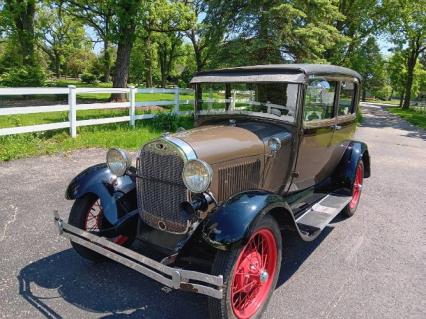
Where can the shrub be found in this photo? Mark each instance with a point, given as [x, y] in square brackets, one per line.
[170, 122]
[24, 76]
[88, 78]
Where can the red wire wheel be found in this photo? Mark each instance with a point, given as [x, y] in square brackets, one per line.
[250, 273]
[254, 274]
[93, 222]
[356, 190]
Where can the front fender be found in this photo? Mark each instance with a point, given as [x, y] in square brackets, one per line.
[99, 180]
[230, 225]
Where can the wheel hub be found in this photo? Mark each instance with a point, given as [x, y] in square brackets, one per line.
[264, 276]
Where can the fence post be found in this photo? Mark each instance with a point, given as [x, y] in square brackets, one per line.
[233, 99]
[176, 110]
[132, 101]
[72, 113]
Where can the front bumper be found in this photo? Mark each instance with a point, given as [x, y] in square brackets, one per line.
[175, 278]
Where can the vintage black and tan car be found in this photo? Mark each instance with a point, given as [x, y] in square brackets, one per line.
[205, 210]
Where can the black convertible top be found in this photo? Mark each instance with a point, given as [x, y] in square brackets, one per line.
[272, 72]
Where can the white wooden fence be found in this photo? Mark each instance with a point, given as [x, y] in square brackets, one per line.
[72, 107]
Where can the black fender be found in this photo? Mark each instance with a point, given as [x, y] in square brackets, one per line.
[99, 180]
[230, 225]
[345, 171]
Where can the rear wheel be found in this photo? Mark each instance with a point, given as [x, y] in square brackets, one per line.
[250, 274]
[350, 209]
[87, 214]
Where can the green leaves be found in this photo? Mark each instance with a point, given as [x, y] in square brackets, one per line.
[275, 31]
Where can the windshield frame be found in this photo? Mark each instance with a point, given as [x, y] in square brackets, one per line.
[203, 114]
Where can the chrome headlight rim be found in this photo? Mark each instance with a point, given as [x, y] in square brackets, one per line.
[209, 174]
[125, 161]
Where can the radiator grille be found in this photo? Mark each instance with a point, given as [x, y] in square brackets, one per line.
[237, 178]
[160, 187]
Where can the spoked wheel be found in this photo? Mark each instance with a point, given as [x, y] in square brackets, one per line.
[250, 274]
[87, 214]
[350, 209]
[95, 219]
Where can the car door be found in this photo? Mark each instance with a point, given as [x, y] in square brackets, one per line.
[346, 105]
[315, 148]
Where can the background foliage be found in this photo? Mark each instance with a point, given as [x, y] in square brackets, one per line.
[163, 42]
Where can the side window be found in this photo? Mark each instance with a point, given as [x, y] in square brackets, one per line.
[319, 99]
[346, 98]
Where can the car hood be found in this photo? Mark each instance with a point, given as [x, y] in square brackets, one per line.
[219, 143]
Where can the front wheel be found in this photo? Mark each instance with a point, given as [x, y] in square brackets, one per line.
[87, 213]
[350, 209]
[250, 273]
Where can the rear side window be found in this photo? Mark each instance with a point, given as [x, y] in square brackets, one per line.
[346, 98]
[319, 99]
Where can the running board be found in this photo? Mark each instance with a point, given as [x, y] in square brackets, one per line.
[316, 218]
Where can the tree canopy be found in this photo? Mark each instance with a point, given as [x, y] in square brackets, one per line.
[163, 42]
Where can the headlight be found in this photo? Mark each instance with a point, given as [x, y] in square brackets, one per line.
[118, 161]
[197, 176]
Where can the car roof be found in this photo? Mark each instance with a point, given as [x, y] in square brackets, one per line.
[272, 72]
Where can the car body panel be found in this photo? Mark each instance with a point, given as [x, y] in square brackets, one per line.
[220, 143]
[229, 226]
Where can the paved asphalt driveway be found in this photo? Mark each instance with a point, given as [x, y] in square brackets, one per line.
[369, 266]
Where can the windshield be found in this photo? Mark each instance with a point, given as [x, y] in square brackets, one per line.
[272, 100]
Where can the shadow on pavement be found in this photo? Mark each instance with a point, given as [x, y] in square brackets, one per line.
[115, 291]
[296, 251]
[107, 288]
[378, 117]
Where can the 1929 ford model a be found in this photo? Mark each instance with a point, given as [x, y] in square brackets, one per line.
[271, 152]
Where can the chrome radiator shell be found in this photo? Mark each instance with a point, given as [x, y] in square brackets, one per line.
[160, 188]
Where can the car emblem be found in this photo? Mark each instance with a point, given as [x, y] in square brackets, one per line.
[160, 146]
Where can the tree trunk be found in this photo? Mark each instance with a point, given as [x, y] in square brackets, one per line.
[121, 72]
[23, 18]
[107, 62]
[364, 95]
[149, 61]
[197, 50]
[401, 99]
[411, 63]
[127, 26]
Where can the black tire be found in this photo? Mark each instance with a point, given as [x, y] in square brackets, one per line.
[77, 218]
[225, 264]
[350, 209]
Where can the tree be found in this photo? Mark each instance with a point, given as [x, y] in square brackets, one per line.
[127, 15]
[168, 51]
[398, 74]
[98, 15]
[62, 36]
[368, 61]
[360, 20]
[164, 17]
[273, 31]
[406, 26]
[19, 16]
[207, 31]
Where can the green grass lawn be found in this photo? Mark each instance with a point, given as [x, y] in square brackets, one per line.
[413, 116]
[105, 136]
[119, 134]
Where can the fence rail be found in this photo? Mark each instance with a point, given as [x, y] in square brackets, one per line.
[72, 107]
